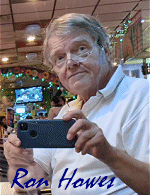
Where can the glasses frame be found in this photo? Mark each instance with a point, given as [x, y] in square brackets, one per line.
[84, 59]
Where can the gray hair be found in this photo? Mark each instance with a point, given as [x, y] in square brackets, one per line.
[74, 23]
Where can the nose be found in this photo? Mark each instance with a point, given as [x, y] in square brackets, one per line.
[71, 63]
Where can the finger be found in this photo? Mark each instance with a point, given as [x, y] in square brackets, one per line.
[19, 158]
[81, 124]
[17, 152]
[83, 138]
[9, 147]
[15, 159]
[94, 142]
[18, 163]
[77, 114]
[13, 139]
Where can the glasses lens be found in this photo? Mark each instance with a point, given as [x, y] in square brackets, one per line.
[80, 57]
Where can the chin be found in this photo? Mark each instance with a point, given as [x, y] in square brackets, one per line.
[79, 88]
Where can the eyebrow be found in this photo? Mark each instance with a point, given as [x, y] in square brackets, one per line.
[79, 40]
[54, 52]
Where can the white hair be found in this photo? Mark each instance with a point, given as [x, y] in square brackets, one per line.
[74, 23]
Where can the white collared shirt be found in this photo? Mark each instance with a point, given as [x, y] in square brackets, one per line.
[121, 110]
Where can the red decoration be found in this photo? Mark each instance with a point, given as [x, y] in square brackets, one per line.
[46, 75]
[34, 73]
[23, 70]
[40, 75]
[29, 72]
[17, 70]
[56, 81]
[10, 70]
[52, 77]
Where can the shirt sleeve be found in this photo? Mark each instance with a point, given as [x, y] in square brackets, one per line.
[51, 114]
[43, 157]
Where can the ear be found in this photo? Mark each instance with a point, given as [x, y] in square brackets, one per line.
[107, 53]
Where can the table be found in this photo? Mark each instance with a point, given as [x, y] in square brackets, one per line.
[5, 189]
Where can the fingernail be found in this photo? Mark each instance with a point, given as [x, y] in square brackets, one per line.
[17, 142]
[69, 136]
[77, 150]
[64, 117]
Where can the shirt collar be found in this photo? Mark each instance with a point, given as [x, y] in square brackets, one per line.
[76, 104]
[113, 83]
[106, 92]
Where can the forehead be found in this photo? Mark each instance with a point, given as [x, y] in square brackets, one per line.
[66, 42]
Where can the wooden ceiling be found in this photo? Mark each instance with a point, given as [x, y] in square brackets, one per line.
[17, 15]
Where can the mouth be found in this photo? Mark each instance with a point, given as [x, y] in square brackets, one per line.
[75, 74]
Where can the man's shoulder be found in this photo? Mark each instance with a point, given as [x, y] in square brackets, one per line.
[138, 90]
[137, 83]
[56, 108]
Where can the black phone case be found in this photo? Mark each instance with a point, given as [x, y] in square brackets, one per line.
[45, 134]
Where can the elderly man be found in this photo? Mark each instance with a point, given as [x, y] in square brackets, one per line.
[111, 153]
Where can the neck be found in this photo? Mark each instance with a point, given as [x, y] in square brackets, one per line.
[106, 78]
[85, 96]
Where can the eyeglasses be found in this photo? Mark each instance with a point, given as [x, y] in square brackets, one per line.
[80, 54]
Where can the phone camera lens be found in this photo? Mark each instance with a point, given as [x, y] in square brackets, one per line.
[24, 126]
[33, 133]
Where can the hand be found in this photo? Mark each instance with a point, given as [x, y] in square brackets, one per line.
[16, 156]
[90, 137]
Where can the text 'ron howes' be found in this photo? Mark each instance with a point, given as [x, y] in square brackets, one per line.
[88, 183]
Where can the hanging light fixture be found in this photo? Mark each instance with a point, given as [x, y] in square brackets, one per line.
[5, 59]
[31, 56]
[33, 29]
[31, 38]
[31, 32]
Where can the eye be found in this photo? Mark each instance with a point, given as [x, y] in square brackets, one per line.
[82, 48]
[59, 58]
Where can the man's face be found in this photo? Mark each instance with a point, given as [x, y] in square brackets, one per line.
[78, 76]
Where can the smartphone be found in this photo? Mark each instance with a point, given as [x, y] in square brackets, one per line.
[45, 133]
